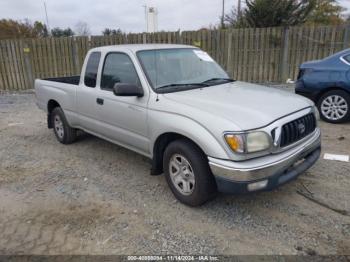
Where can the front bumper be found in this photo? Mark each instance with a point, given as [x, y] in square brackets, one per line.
[272, 170]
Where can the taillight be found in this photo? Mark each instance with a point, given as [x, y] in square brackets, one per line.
[301, 73]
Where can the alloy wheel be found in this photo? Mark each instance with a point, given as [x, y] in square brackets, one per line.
[334, 107]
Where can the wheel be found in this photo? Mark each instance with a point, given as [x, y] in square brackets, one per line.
[188, 174]
[64, 133]
[334, 106]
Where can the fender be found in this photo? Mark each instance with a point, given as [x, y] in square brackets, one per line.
[162, 122]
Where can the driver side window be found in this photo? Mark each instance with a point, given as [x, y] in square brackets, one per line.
[118, 68]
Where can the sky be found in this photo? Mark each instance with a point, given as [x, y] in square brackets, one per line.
[128, 15]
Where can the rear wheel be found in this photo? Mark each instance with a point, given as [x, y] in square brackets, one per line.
[334, 106]
[188, 174]
[64, 133]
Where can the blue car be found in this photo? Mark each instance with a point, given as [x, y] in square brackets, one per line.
[327, 83]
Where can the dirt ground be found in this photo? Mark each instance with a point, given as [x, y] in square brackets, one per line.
[93, 197]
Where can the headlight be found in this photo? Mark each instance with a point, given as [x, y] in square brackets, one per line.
[248, 142]
[257, 141]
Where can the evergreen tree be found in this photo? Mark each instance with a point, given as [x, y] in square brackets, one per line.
[59, 32]
[270, 13]
[108, 31]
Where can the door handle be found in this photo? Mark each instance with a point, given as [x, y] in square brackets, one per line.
[99, 101]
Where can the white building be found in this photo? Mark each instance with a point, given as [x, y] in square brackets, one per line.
[152, 19]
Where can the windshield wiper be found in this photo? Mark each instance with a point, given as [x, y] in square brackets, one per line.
[218, 79]
[188, 84]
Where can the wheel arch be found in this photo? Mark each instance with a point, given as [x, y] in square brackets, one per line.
[328, 89]
[161, 144]
[51, 105]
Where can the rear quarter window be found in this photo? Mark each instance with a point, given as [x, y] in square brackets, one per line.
[347, 58]
[92, 69]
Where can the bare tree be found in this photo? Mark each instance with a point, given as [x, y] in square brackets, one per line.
[82, 29]
[327, 12]
[235, 19]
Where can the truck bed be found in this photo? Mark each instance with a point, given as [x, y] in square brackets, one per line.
[73, 80]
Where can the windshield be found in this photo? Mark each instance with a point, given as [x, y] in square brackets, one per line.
[181, 68]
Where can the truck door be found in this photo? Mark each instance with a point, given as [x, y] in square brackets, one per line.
[123, 119]
[87, 94]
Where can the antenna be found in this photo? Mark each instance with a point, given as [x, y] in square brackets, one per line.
[146, 17]
[239, 9]
[47, 19]
[223, 15]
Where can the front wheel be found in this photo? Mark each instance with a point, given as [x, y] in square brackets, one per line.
[188, 174]
[334, 106]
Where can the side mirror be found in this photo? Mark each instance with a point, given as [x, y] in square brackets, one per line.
[123, 89]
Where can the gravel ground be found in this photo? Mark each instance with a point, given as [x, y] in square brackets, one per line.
[93, 197]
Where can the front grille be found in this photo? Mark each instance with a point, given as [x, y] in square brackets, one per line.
[297, 129]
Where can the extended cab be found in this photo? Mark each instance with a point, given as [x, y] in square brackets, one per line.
[177, 106]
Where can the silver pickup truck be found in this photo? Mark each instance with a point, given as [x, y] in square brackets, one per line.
[177, 106]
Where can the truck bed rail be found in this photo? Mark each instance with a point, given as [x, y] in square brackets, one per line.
[74, 80]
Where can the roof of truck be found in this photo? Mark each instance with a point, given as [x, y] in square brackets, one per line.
[139, 47]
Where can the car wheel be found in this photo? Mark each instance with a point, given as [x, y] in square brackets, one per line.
[188, 174]
[334, 106]
[64, 133]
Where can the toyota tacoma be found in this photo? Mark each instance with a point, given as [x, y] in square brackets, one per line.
[175, 105]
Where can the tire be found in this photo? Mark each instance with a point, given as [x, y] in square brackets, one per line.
[198, 183]
[63, 132]
[334, 106]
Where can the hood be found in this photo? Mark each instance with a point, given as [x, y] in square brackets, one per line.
[248, 106]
